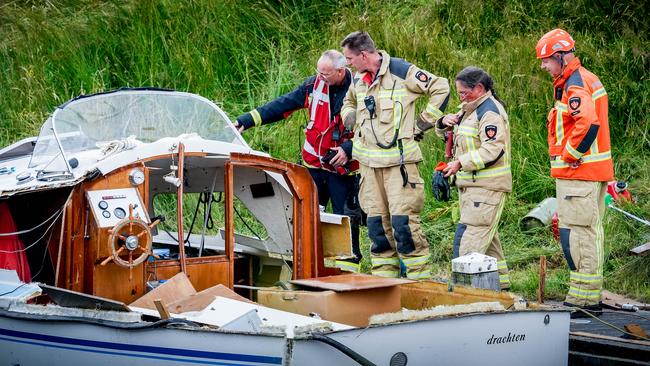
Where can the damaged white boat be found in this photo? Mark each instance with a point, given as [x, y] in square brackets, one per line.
[82, 206]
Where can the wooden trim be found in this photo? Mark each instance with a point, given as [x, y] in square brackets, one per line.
[229, 221]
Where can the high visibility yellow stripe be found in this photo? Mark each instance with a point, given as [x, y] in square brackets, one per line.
[504, 279]
[559, 123]
[347, 266]
[421, 275]
[467, 131]
[415, 261]
[434, 111]
[502, 264]
[586, 159]
[390, 274]
[359, 151]
[585, 277]
[257, 119]
[378, 261]
[485, 173]
[397, 117]
[584, 294]
[392, 92]
[598, 94]
[476, 157]
[575, 153]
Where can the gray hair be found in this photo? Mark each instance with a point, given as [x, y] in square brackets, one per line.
[335, 57]
[358, 42]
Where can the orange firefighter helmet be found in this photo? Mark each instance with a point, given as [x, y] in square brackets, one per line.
[554, 41]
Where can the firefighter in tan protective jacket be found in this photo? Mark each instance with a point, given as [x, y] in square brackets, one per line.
[380, 105]
[481, 164]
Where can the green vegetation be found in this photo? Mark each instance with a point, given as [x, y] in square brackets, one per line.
[241, 54]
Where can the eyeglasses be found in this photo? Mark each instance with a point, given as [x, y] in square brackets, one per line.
[464, 93]
[326, 75]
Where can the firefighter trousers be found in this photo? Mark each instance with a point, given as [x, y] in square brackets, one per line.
[581, 207]
[477, 231]
[393, 221]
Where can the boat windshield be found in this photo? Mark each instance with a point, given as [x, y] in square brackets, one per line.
[148, 115]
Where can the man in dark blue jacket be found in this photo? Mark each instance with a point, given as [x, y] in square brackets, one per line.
[324, 152]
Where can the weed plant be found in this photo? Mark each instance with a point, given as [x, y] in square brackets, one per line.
[243, 53]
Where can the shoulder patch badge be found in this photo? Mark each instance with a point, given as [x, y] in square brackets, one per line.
[491, 131]
[574, 103]
[421, 76]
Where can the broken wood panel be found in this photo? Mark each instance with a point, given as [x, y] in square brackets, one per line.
[337, 238]
[177, 287]
[199, 300]
[203, 272]
[350, 282]
[427, 294]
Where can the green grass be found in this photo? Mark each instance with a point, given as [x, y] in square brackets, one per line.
[241, 54]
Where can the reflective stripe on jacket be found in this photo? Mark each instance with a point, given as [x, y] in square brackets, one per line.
[482, 145]
[395, 89]
[578, 127]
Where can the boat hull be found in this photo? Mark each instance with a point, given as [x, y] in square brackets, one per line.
[526, 337]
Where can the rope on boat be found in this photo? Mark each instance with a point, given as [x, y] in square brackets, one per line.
[610, 324]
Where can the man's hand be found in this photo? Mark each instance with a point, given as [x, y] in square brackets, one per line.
[238, 126]
[452, 168]
[450, 120]
[340, 159]
[575, 164]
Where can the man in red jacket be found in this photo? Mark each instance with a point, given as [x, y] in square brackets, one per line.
[581, 162]
[323, 152]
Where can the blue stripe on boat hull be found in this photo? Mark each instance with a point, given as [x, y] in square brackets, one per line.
[160, 353]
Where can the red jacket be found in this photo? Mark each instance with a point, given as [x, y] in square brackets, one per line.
[578, 127]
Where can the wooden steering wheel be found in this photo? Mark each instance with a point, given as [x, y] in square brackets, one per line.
[130, 235]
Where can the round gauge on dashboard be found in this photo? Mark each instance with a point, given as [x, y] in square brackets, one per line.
[103, 205]
[106, 214]
[136, 176]
[120, 213]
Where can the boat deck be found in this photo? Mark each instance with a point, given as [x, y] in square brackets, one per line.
[596, 342]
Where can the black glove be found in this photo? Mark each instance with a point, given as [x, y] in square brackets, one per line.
[421, 126]
[440, 186]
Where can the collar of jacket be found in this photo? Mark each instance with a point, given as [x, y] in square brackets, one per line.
[471, 106]
[568, 70]
[385, 60]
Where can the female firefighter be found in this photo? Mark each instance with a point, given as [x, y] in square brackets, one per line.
[481, 163]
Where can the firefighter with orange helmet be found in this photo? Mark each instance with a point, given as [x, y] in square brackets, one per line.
[581, 162]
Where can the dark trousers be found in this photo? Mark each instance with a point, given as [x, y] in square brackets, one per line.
[343, 191]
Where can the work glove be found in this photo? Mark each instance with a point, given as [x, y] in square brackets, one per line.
[421, 125]
[440, 184]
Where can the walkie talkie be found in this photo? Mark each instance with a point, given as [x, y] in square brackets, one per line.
[369, 101]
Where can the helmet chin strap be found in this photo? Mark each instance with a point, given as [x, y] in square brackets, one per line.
[559, 57]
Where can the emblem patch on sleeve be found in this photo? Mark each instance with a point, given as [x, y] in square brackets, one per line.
[490, 132]
[574, 103]
[421, 76]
